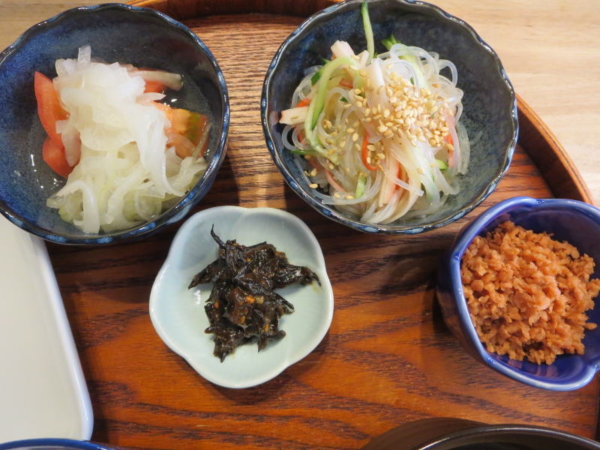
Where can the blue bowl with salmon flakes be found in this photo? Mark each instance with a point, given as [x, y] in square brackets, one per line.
[489, 113]
[570, 221]
[120, 33]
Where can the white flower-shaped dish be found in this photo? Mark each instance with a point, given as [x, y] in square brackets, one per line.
[178, 314]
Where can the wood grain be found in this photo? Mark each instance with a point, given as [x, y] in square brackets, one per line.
[550, 157]
[388, 358]
[190, 9]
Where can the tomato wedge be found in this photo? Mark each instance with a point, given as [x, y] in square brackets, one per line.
[49, 109]
[189, 127]
[154, 86]
[54, 156]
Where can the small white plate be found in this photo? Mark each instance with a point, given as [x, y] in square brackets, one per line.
[178, 314]
[42, 389]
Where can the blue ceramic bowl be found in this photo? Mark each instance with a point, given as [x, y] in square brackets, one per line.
[490, 108]
[138, 36]
[568, 220]
[53, 444]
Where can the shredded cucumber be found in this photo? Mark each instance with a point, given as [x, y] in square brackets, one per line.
[364, 10]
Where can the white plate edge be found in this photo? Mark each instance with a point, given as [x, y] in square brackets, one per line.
[65, 336]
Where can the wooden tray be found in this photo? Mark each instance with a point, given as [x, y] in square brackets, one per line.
[388, 358]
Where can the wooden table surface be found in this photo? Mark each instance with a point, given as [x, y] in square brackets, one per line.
[424, 374]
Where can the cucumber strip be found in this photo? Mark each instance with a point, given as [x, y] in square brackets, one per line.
[319, 100]
[360, 185]
[364, 10]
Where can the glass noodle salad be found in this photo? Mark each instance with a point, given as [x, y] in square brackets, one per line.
[126, 156]
[380, 135]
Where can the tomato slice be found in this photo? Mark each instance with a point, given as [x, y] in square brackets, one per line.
[49, 109]
[54, 156]
[154, 86]
[188, 125]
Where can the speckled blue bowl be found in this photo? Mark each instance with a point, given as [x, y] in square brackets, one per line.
[116, 32]
[490, 108]
[54, 444]
[569, 220]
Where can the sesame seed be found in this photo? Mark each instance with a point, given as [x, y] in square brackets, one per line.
[386, 113]
[313, 173]
[368, 160]
[388, 134]
[420, 171]
[355, 137]
[382, 129]
[313, 185]
[357, 91]
[349, 197]
[381, 155]
[359, 104]
[350, 130]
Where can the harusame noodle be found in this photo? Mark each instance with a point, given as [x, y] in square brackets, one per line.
[379, 136]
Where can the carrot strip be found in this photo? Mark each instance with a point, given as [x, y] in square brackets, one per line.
[365, 154]
[334, 183]
[346, 83]
[304, 102]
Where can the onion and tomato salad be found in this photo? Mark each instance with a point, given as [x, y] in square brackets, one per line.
[126, 156]
[379, 136]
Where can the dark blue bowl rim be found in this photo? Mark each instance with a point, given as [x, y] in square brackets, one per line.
[454, 258]
[333, 213]
[218, 154]
[510, 429]
[83, 445]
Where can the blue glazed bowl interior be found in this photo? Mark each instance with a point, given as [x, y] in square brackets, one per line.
[568, 220]
[116, 33]
[489, 101]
